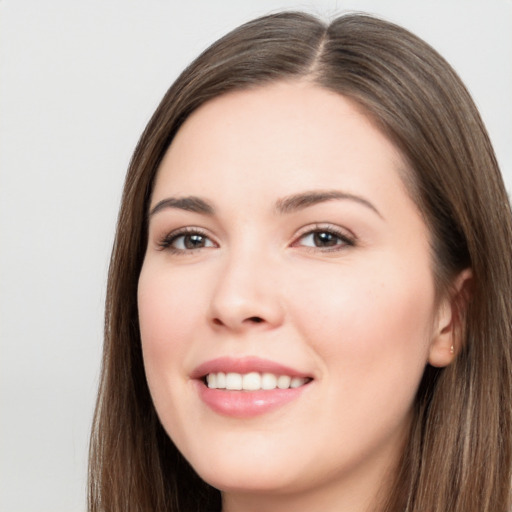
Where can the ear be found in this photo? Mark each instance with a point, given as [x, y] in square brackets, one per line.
[449, 326]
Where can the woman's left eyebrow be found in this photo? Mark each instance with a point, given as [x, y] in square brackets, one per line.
[189, 203]
[305, 199]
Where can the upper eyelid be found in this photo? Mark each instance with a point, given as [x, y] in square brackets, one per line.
[170, 236]
[186, 230]
[325, 226]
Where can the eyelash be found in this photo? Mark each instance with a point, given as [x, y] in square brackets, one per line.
[344, 240]
[166, 243]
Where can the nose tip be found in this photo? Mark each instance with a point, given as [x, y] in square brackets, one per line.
[245, 298]
[239, 318]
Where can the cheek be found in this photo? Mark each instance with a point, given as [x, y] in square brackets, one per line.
[373, 340]
[372, 329]
[166, 319]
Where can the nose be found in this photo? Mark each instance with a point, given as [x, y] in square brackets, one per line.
[247, 294]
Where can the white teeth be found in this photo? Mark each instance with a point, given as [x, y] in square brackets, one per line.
[268, 381]
[253, 381]
[221, 380]
[296, 382]
[233, 381]
[211, 380]
[283, 381]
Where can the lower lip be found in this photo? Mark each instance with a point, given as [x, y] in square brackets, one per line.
[246, 404]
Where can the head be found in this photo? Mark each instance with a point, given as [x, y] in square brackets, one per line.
[460, 414]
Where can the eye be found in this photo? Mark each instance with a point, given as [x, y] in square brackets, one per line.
[186, 240]
[325, 238]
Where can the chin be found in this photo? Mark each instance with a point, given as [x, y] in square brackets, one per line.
[250, 482]
[241, 474]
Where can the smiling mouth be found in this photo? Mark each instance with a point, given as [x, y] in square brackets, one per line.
[252, 381]
[247, 387]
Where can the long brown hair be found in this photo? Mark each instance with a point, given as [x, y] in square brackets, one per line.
[458, 456]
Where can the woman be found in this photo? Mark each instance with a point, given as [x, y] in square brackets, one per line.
[309, 295]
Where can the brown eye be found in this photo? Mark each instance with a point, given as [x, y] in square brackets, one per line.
[186, 241]
[195, 241]
[325, 239]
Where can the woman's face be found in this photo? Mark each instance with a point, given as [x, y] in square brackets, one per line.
[285, 251]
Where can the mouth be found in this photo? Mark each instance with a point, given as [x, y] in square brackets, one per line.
[248, 387]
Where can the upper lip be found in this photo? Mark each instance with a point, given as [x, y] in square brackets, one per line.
[244, 365]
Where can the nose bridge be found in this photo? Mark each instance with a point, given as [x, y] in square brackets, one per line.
[246, 291]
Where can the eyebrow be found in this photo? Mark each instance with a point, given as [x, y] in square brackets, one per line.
[285, 205]
[305, 199]
[190, 204]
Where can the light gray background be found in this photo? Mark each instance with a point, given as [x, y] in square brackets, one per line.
[79, 80]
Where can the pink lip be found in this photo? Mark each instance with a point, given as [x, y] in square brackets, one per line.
[243, 365]
[245, 404]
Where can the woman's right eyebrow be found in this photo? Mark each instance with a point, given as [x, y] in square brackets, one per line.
[189, 203]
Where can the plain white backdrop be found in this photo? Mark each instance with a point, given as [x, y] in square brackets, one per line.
[78, 82]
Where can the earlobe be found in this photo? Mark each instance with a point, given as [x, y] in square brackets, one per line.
[448, 335]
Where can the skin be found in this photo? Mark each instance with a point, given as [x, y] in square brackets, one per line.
[357, 314]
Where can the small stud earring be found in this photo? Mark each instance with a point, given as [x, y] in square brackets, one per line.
[452, 350]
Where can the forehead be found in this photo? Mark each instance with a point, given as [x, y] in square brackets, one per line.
[284, 137]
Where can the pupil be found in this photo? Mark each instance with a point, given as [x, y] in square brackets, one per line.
[325, 239]
[194, 241]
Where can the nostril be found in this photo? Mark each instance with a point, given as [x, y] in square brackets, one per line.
[251, 320]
